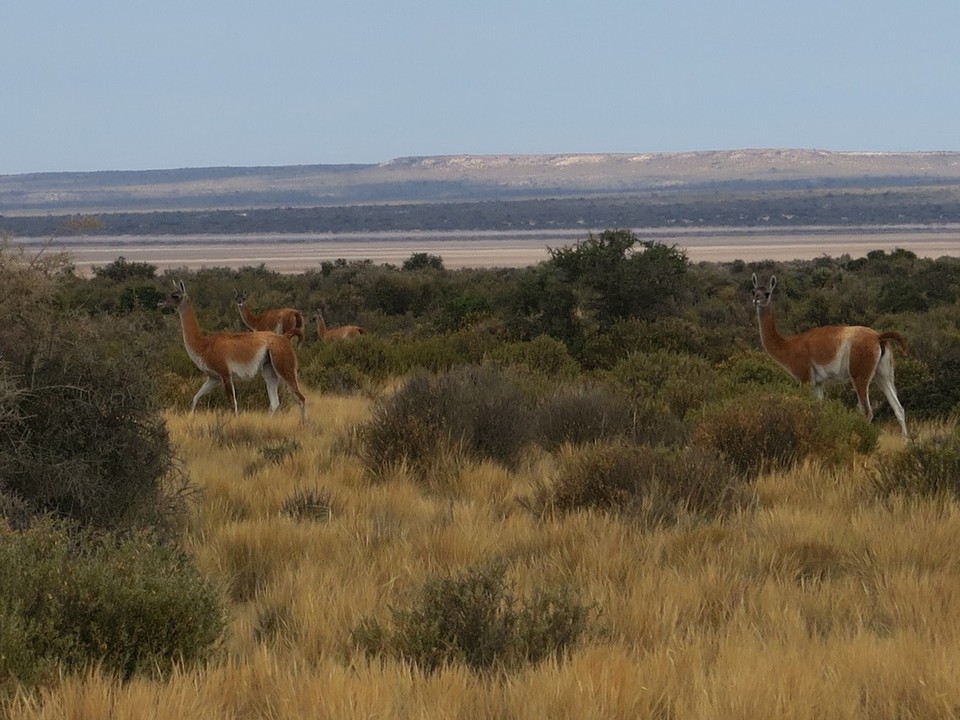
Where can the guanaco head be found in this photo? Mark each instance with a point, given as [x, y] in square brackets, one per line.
[174, 299]
[763, 294]
[240, 296]
[317, 314]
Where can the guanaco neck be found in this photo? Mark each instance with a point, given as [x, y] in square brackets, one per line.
[321, 326]
[248, 317]
[771, 339]
[193, 337]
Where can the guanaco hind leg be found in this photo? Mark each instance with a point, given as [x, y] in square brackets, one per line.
[208, 385]
[884, 378]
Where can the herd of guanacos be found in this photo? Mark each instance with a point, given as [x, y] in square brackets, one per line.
[820, 356]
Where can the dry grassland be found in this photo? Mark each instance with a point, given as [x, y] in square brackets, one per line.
[818, 602]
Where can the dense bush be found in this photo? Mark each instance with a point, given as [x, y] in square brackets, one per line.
[752, 368]
[83, 600]
[477, 410]
[84, 438]
[682, 382]
[580, 415]
[474, 618]
[927, 468]
[542, 354]
[655, 483]
[764, 430]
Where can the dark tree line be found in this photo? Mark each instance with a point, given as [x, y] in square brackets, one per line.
[662, 209]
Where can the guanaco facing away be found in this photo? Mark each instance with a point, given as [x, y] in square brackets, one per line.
[343, 332]
[832, 354]
[280, 320]
[224, 356]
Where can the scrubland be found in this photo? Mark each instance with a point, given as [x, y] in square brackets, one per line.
[819, 597]
[574, 490]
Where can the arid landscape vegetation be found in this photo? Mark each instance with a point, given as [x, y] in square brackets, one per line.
[578, 488]
[575, 486]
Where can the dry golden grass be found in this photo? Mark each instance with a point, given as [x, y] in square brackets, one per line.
[818, 602]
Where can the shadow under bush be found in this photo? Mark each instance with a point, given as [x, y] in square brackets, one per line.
[656, 483]
[475, 619]
[478, 410]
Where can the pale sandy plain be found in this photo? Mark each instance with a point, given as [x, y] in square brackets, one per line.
[298, 253]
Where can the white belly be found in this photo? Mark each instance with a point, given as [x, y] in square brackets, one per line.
[836, 371]
[250, 369]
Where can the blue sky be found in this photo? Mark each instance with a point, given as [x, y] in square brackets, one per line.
[129, 85]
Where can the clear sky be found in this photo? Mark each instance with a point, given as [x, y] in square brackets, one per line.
[131, 85]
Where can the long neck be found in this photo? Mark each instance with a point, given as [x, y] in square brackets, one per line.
[193, 337]
[321, 326]
[771, 339]
[248, 317]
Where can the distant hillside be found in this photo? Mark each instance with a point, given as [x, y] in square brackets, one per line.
[467, 179]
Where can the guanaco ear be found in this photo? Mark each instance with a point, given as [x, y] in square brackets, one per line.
[755, 283]
[181, 286]
[773, 282]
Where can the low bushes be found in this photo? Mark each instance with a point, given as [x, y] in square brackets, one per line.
[680, 382]
[763, 431]
[83, 437]
[74, 600]
[656, 483]
[474, 618]
[925, 468]
[582, 414]
[478, 411]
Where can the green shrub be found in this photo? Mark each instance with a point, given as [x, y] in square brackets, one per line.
[761, 431]
[580, 415]
[543, 355]
[658, 484]
[682, 382]
[336, 379]
[926, 394]
[473, 618]
[131, 606]
[368, 357]
[476, 409]
[655, 424]
[752, 368]
[926, 468]
[86, 438]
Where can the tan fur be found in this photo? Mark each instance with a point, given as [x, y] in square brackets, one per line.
[344, 332]
[227, 355]
[832, 354]
[283, 321]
